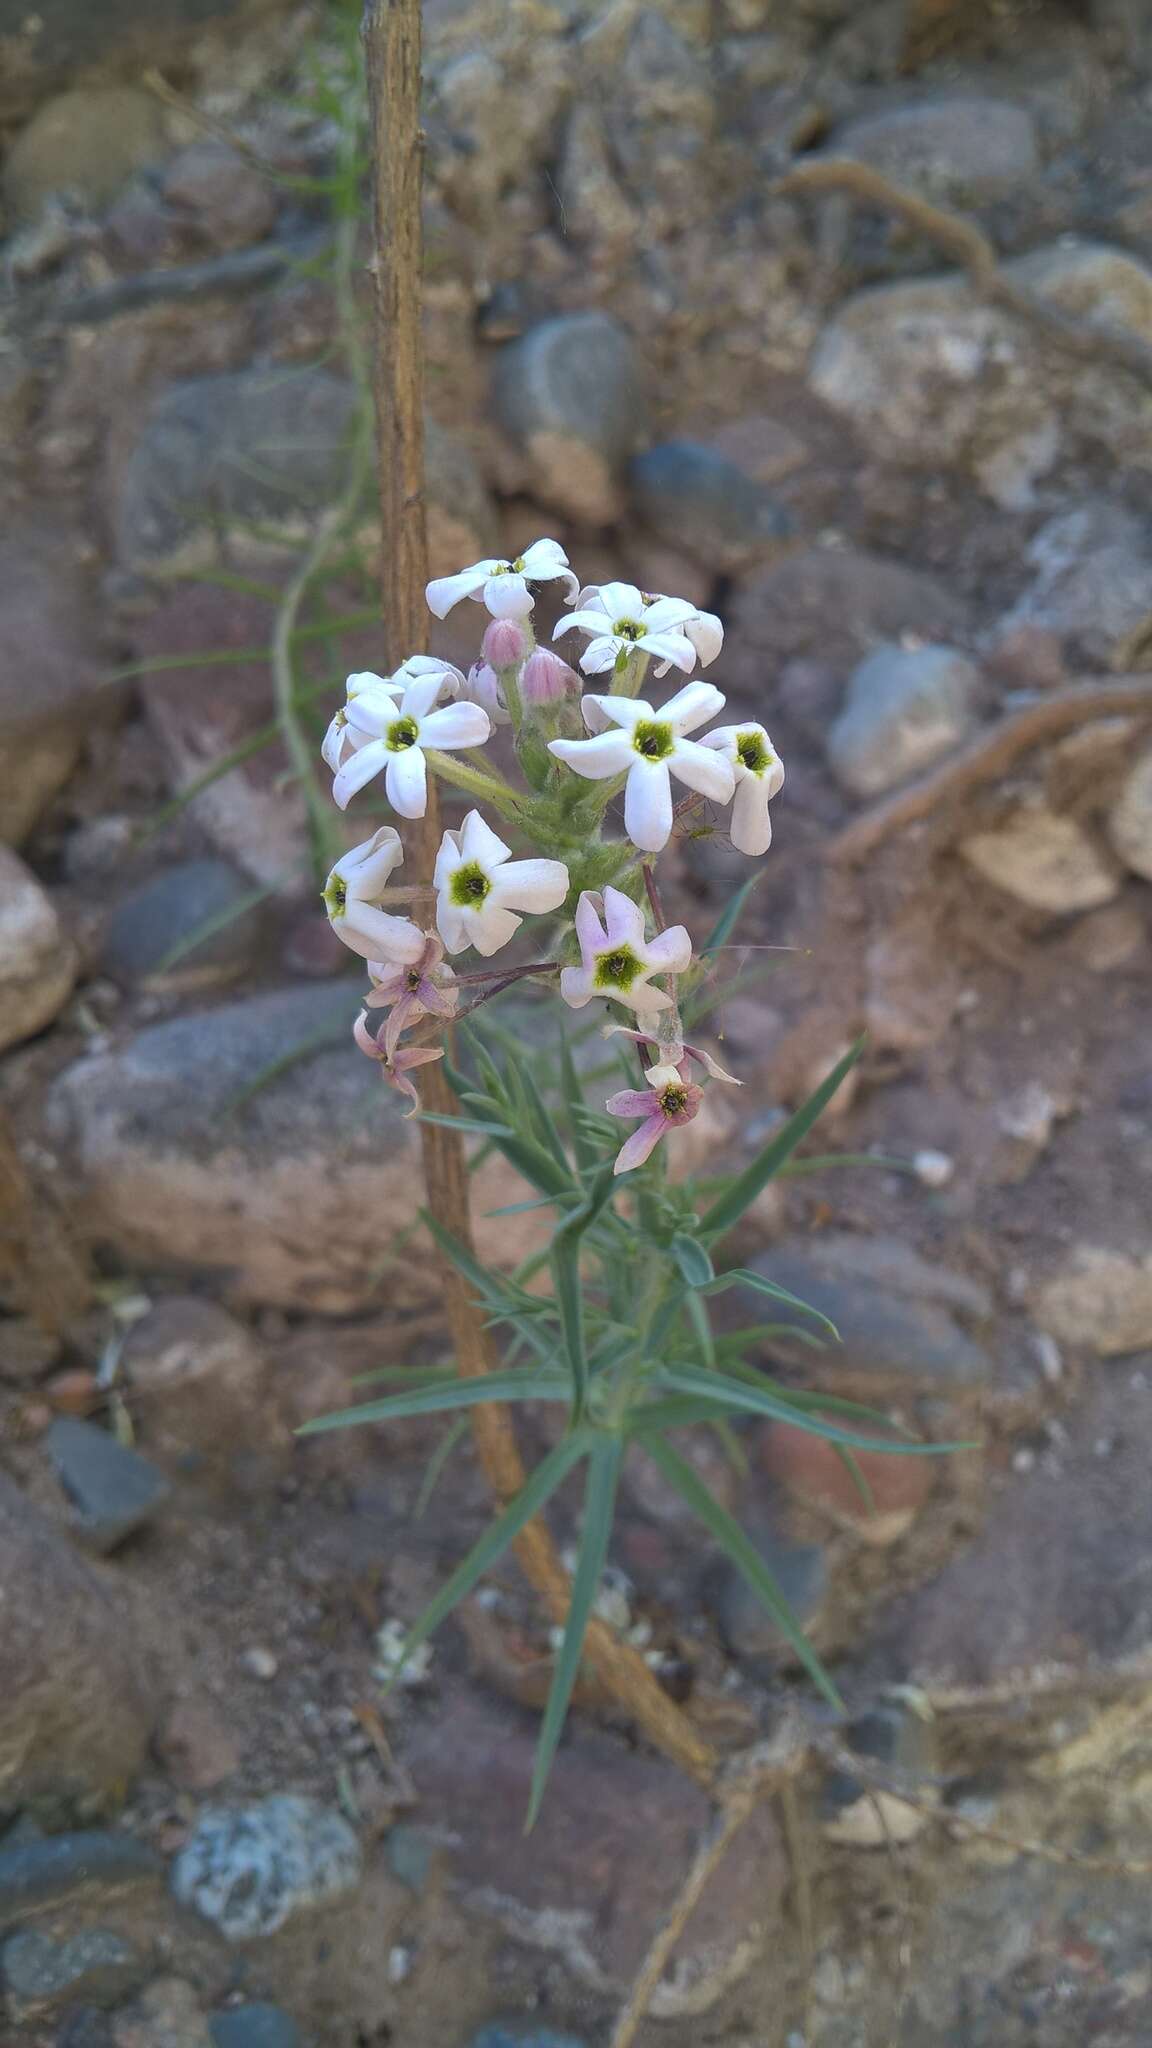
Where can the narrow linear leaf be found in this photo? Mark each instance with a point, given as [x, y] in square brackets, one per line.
[743, 1276]
[453, 1436]
[851, 1465]
[744, 1556]
[454, 1393]
[208, 928]
[599, 1502]
[749, 1400]
[731, 1205]
[729, 918]
[585, 1153]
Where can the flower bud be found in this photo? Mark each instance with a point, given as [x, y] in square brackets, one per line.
[546, 679]
[483, 688]
[505, 644]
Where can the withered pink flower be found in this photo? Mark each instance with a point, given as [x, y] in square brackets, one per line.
[425, 987]
[396, 1066]
[670, 1100]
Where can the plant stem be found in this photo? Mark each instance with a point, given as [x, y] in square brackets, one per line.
[391, 35]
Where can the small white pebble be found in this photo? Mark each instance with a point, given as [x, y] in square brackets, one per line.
[260, 1663]
[391, 1666]
[399, 1964]
[935, 1169]
[1023, 1460]
[1049, 1356]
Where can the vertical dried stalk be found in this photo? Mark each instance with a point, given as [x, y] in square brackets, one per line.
[391, 36]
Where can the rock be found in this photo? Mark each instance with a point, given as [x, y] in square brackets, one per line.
[74, 1392]
[37, 960]
[49, 1870]
[167, 2015]
[905, 708]
[40, 1974]
[523, 2034]
[598, 1874]
[85, 2026]
[833, 603]
[197, 1746]
[962, 150]
[1044, 860]
[1111, 940]
[114, 1491]
[82, 145]
[233, 204]
[902, 1741]
[74, 1719]
[198, 1384]
[1130, 819]
[1099, 1299]
[596, 210]
[661, 107]
[913, 985]
[801, 1574]
[255, 2026]
[215, 458]
[27, 1352]
[811, 1468]
[249, 1869]
[929, 373]
[569, 397]
[893, 1312]
[696, 499]
[1092, 571]
[160, 917]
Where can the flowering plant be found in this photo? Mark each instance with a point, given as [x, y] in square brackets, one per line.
[624, 1340]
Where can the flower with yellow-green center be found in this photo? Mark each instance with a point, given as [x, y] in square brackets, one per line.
[480, 888]
[502, 586]
[617, 959]
[352, 898]
[649, 746]
[759, 773]
[387, 735]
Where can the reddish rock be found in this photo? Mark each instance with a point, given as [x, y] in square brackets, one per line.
[811, 1467]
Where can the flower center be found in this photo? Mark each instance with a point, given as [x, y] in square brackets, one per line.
[469, 886]
[627, 629]
[753, 754]
[618, 968]
[515, 568]
[673, 1101]
[652, 739]
[403, 734]
[336, 896]
[413, 978]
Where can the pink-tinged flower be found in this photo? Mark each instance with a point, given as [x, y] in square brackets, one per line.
[389, 738]
[680, 1050]
[669, 1100]
[759, 773]
[622, 622]
[420, 988]
[480, 888]
[648, 746]
[617, 960]
[352, 898]
[503, 586]
[505, 644]
[545, 679]
[396, 1064]
[483, 688]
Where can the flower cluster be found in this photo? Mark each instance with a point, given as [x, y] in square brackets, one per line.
[576, 753]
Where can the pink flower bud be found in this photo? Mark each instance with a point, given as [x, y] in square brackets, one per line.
[504, 644]
[547, 679]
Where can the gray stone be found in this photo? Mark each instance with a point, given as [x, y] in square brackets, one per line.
[113, 1490]
[42, 48]
[696, 499]
[167, 2014]
[27, 1352]
[41, 1871]
[85, 2026]
[1100, 1300]
[37, 960]
[834, 604]
[52, 681]
[1130, 819]
[1044, 860]
[199, 1385]
[1092, 571]
[905, 708]
[160, 918]
[523, 2034]
[888, 1339]
[249, 1869]
[74, 1719]
[82, 145]
[865, 1817]
[961, 150]
[41, 1974]
[569, 396]
[255, 2026]
[801, 1574]
[232, 202]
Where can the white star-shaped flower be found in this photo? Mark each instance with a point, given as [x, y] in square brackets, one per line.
[617, 960]
[386, 735]
[343, 739]
[352, 899]
[622, 622]
[759, 773]
[649, 746]
[503, 586]
[703, 629]
[479, 888]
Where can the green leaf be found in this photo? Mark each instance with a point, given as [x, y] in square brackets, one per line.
[454, 1393]
[729, 917]
[471, 1124]
[731, 1205]
[586, 1154]
[771, 1400]
[453, 1436]
[599, 1501]
[537, 1489]
[209, 926]
[692, 1260]
[744, 1276]
[566, 1244]
[744, 1556]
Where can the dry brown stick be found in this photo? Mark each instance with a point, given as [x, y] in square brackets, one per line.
[970, 247]
[992, 752]
[391, 35]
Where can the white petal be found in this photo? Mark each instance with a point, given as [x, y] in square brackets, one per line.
[607, 753]
[706, 634]
[623, 920]
[365, 869]
[375, 935]
[588, 598]
[669, 647]
[479, 842]
[625, 712]
[594, 718]
[508, 597]
[419, 697]
[723, 738]
[670, 952]
[536, 885]
[668, 611]
[751, 819]
[407, 782]
[544, 560]
[491, 927]
[455, 725]
[370, 714]
[622, 601]
[587, 621]
[647, 804]
[576, 986]
[359, 768]
[708, 773]
[332, 746]
[364, 679]
[692, 705]
[599, 656]
[445, 591]
[451, 925]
